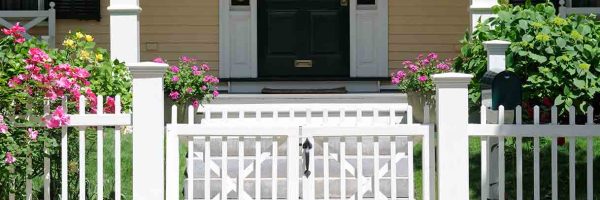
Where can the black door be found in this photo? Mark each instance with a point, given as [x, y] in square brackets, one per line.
[303, 38]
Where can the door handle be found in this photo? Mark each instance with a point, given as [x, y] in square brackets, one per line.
[307, 146]
[344, 2]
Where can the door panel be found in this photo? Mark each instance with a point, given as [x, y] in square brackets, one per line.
[307, 30]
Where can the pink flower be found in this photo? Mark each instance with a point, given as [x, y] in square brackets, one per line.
[195, 68]
[109, 106]
[423, 78]
[81, 73]
[425, 61]
[204, 88]
[33, 134]
[158, 60]
[3, 126]
[413, 68]
[211, 79]
[196, 103]
[432, 56]
[20, 40]
[215, 93]
[38, 56]
[174, 95]
[197, 73]
[9, 159]
[175, 79]
[398, 77]
[174, 69]
[443, 66]
[189, 90]
[186, 59]
[63, 82]
[57, 119]
[204, 67]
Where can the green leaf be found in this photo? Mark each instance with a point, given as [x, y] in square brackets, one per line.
[560, 42]
[538, 58]
[579, 84]
[559, 100]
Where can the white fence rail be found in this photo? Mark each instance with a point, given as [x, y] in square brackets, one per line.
[566, 8]
[536, 130]
[82, 121]
[37, 17]
[253, 152]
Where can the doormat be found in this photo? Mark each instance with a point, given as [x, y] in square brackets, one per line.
[340, 90]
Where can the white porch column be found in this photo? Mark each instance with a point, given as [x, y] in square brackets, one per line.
[453, 140]
[481, 9]
[148, 130]
[125, 30]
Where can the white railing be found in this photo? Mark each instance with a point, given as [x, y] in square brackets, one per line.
[536, 130]
[566, 8]
[82, 121]
[37, 16]
[267, 138]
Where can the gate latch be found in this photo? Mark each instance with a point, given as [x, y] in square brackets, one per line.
[307, 146]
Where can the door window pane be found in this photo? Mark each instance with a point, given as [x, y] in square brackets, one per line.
[240, 2]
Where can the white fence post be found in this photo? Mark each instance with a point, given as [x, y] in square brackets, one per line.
[125, 30]
[148, 130]
[453, 140]
[481, 10]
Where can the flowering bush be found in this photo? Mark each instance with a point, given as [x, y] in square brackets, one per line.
[416, 74]
[188, 82]
[31, 75]
[107, 77]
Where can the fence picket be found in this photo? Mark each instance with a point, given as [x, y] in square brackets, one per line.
[190, 169]
[28, 183]
[172, 158]
[409, 115]
[393, 168]
[501, 166]
[257, 169]
[376, 167]
[536, 156]
[411, 174]
[82, 165]
[274, 164]
[224, 167]
[554, 155]
[342, 161]
[485, 185]
[241, 167]
[64, 160]
[519, 147]
[572, 156]
[359, 168]
[99, 151]
[46, 159]
[207, 165]
[590, 156]
[118, 151]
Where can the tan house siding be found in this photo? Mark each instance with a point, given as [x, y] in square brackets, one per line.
[191, 27]
[417, 26]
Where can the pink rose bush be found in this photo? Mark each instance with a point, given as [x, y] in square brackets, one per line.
[188, 82]
[415, 75]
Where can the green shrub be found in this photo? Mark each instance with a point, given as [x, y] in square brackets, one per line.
[557, 58]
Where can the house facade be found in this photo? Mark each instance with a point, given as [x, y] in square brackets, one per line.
[349, 43]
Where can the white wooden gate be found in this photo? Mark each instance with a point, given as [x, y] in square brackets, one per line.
[256, 152]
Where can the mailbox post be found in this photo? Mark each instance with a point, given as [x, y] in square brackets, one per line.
[499, 87]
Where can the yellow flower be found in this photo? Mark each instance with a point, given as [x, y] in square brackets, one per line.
[99, 57]
[84, 54]
[79, 35]
[559, 21]
[69, 43]
[584, 66]
[89, 38]
[537, 24]
[576, 35]
[542, 37]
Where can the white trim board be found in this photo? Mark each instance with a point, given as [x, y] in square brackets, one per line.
[238, 38]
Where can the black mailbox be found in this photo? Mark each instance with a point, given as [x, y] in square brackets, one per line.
[505, 88]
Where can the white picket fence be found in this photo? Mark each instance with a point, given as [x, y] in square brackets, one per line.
[257, 145]
[82, 121]
[536, 130]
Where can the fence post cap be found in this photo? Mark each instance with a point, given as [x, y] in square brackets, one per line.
[147, 69]
[496, 46]
[451, 79]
